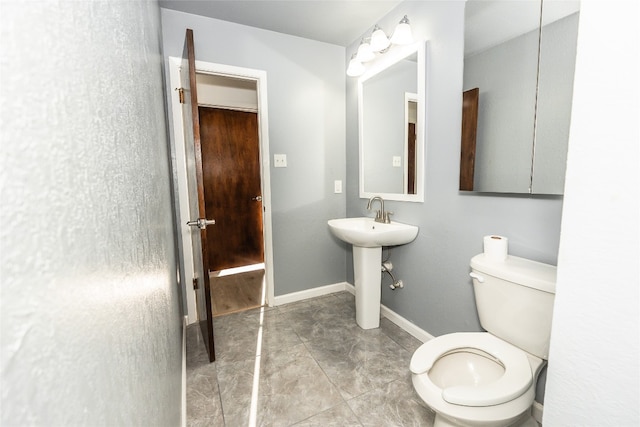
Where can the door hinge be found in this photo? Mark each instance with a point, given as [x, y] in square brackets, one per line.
[180, 94]
[195, 284]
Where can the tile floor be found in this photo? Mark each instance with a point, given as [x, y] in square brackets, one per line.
[303, 364]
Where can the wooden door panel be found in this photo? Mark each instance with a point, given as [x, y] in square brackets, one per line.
[196, 191]
[411, 159]
[468, 143]
[231, 168]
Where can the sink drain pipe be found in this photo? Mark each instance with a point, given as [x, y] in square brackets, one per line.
[386, 267]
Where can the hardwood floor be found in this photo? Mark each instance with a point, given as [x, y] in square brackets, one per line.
[236, 292]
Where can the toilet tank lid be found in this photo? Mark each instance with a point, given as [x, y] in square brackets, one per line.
[518, 270]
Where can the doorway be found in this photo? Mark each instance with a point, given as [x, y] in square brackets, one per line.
[257, 78]
[237, 289]
[230, 148]
[232, 186]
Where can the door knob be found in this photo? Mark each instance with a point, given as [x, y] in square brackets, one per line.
[201, 223]
[257, 199]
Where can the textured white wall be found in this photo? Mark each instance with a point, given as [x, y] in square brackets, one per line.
[594, 369]
[91, 324]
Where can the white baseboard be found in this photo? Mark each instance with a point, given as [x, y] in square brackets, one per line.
[394, 317]
[398, 320]
[403, 323]
[309, 293]
[536, 411]
[183, 415]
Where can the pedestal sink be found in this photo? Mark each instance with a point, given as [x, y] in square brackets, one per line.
[368, 237]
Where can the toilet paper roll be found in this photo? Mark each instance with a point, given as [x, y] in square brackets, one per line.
[496, 248]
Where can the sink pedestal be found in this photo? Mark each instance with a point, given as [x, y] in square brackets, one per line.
[368, 237]
[366, 272]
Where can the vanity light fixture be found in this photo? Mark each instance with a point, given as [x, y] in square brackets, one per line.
[378, 43]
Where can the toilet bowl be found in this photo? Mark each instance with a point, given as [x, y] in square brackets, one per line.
[489, 378]
[475, 379]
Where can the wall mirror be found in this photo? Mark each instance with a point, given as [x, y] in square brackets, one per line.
[518, 86]
[391, 115]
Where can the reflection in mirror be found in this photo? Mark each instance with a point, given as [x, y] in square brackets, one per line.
[501, 60]
[391, 103]
[411, 119]
[558, 42]
[385, 122]
[524, 77]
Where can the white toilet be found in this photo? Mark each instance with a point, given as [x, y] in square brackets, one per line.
[489, 378]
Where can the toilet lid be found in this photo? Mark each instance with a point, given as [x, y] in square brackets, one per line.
[516, 379]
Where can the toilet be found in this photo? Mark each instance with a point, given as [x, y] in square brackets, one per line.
[489, 378]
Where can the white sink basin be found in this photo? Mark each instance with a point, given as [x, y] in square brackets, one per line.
[364, 232]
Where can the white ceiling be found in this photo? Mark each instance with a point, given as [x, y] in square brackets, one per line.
[338, 22]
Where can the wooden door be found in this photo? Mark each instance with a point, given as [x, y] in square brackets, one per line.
[411, 158]
[468, 140]
[189, 100]
[231, 167]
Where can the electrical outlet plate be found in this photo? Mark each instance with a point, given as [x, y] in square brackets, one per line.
[279, 160]
[337, 186]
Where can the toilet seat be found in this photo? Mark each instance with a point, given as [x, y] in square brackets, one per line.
[516, 380]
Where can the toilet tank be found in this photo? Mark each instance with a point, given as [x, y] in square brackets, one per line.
[514, 299]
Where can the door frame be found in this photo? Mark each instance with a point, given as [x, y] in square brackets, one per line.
[260, 77]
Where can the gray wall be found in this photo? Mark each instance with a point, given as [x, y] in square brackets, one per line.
[91, 322]
[306, 83]
[438, 295]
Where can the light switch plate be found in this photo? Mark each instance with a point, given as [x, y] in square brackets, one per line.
[397, 161]
[337, 186]
[279, 160]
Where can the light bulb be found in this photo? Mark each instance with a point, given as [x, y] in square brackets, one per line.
[364, 52]
[402, 33]
[379, 40]
[355, 68]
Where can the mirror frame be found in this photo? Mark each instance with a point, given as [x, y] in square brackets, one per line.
[381, 63]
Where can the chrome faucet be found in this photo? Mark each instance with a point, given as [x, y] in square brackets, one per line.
[381, 215]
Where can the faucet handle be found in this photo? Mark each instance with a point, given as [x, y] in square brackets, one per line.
[386, 217]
